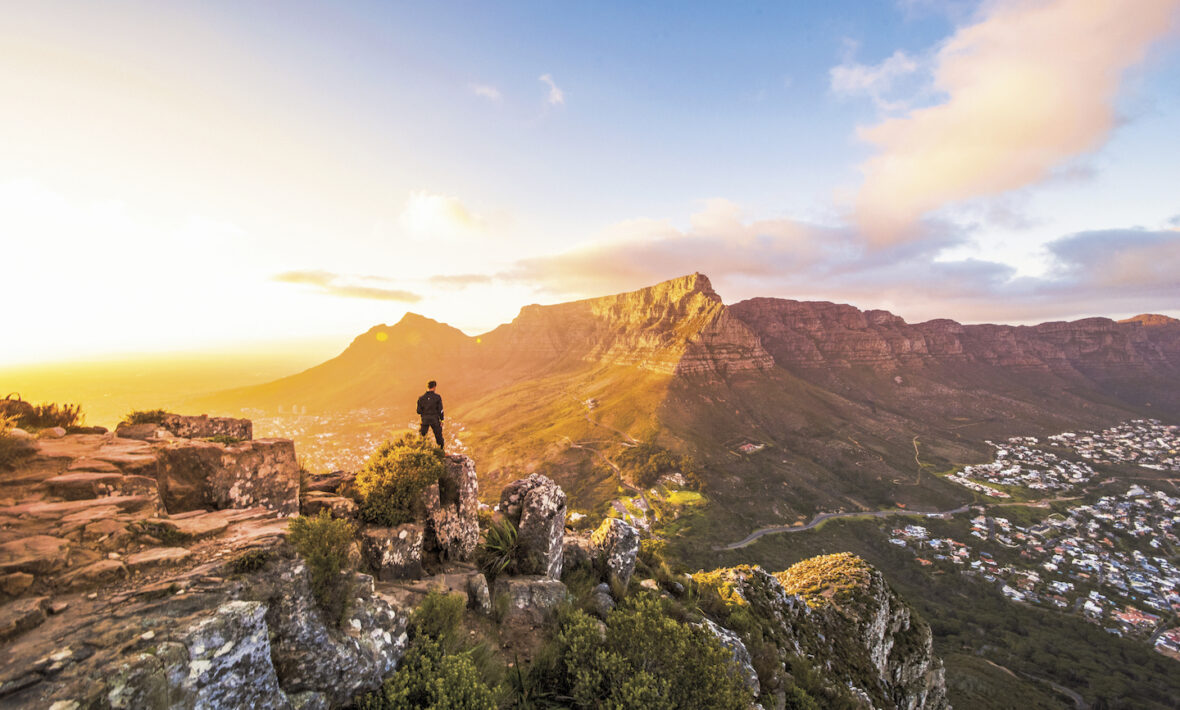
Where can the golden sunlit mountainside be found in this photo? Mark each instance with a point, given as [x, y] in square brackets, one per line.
[848, 409]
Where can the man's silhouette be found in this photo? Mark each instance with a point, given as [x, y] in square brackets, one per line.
[430, 408]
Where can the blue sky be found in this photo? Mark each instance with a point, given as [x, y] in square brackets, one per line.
[304, 170]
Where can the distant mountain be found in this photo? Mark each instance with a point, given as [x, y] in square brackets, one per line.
[855, 409]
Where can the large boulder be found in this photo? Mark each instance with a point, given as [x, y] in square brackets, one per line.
[229, 660]
[201, 474]
[393, 553]
[452, 510]
[528, 601]
[536, 506]
[615, 545]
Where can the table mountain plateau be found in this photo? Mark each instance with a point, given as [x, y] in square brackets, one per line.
[853, 409]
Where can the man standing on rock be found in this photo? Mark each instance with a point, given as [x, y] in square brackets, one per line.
[430, 408]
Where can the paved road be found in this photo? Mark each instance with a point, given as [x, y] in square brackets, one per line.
[775, 529]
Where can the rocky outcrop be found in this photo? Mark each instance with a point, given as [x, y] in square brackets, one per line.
[203, 426]
[741, 656]
[616, 545]
[452, 510]
[199, 474]
[393, 553]
[838, 610]
[528, 601]
[536, 506]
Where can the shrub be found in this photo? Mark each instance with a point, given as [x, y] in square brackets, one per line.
[145, 416]
[391, 483]
[40, 416]
[12, 449]
[646, 462]
[644, 658]
[438, 617]
[249, 561]
[324, 543]
[431, 679]
[498, 549]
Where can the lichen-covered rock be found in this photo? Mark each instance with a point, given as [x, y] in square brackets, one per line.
[616, 544]
[601, 601]
[537, 506]
[576, 550]
[229, 660]
[393, 553]
[479, 597]
[201, 474]
[452, 510]
[197, 427]
[528, 601]
[741, 656]
[312, 653]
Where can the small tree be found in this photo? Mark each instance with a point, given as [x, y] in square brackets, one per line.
[391, 483]
[324, 543]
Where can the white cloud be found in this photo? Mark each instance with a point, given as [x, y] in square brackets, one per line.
[556, 95]
[486, 91]
[877, 81]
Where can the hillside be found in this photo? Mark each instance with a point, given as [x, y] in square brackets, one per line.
[853, 410]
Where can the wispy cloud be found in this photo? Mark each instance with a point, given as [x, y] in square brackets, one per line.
[346, 286]
[486, 91]
[556, 95]
[1030, 86]
[877, 81]
[460, 281]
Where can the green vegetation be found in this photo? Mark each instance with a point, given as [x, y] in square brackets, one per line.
[643, 658]
[324, 543]
[33, 417]
[826, 579]
[438, 672]
[249, 561]
[224, 439]
[391, 483]
[12, 449]
[646, 462]
[498, 548]
[145, 416]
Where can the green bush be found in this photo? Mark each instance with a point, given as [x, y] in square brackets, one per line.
[12, 449]
[145, 416]
[324, 543]
[431, 679]
[644, 658]
[249, 561]
[438, 617]
[498, 549]
[390, 485]
[647, 461]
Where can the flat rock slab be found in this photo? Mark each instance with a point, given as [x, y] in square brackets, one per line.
[195, 527]
[62, 510]
[91, 464]
[95, 574]
[157, 557]
[21, 615]
[81, 485]
[37, 554]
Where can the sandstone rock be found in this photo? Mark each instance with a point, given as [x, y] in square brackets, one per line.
[229, 660]
[102, 528]
[650, 584]
[576, 551]
[195, 527]
[616, 545]
[53, 432]
[536, 505]
[312, 654]
[478, 595]
[203, 426]
[530, 600]
[83, 484]
[452, 510]
[37, 554]
[157, 557]
[21, 615]
[18, 433]
[328, 482]
[741, 656]
[200, 474]
[15, 584]
[96, 465]
[393, 553]
[95, 574]
[337, 506]
[142, 432]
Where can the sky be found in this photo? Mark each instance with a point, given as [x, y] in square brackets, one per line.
[186, 176]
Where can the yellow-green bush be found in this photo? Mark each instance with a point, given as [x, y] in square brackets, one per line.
[324, 543]
[391, 483]
[12, 449]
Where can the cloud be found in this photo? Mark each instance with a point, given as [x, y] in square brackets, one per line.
[459, 281]
[1028, 88]
[1091, 273]
[486, 91]
[430, 216]
[875, 81]
[556, 95]
[344, 286]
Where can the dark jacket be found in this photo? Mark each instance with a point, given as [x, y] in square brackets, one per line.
[430, 405]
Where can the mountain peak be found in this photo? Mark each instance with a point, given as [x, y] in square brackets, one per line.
[1151, 320]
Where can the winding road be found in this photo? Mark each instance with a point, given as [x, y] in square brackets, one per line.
[774, 529]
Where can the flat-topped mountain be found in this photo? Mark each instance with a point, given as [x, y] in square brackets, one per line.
[853, 408]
